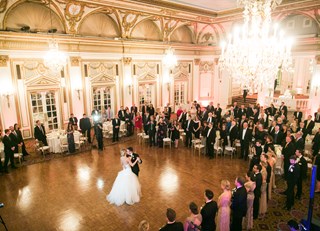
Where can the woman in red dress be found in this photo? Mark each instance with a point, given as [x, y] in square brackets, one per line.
[138, 122]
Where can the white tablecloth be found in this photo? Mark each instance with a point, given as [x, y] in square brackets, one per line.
[55, 141]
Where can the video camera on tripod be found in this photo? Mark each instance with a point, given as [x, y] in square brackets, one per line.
[1, 220]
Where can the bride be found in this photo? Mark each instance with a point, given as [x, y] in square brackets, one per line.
[126, 188]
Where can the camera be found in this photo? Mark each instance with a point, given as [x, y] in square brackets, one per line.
[1, 205]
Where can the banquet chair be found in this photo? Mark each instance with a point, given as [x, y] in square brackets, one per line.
[218, 147]
[229, 150]
[200, 147]
[167, 141]
[39, 147]
[195, 142]
[145, 138]
[64, 145]
[18, 156]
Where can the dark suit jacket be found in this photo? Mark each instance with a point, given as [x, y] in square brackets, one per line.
[73, 120]
[296, 116]
[39, 135]
[115, 123]
[211, 137]
[15, 141]
[176, 226]
[85, 124]
[292, 177]
[190, 129]
[208, 213]
[234, 133]
[285, 109]
[316, 141]
[239, 202]
[8, 144]
[303, 167]
[247, 137]
[258, 180]
[135, 168]
[288, 151]
[134, 110]
[271, 111]
[278, 139]
[309, 127]
[242, 112]
[249, 112]
[315, 118]
[121, 115]
[300, 144]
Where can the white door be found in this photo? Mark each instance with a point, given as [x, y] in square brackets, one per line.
[180, 94]
[103, 97]
[147, 94]
[44, 106]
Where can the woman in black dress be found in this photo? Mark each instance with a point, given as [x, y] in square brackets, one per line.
[162, 132]
[175, 134]
[70, 137]
[196, 127]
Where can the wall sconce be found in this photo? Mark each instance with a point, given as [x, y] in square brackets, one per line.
[7, 96]
[315, 84]
[128, 82]
[78, 90]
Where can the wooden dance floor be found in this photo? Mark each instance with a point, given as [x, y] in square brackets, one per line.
[70, 193]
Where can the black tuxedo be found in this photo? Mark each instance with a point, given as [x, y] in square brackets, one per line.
[145, 121]
[85, 126]
[298, 115]
[151, 110]
[115, 129]
[257, 195]
[40, 134]
[15, 141]
[260, 135]
[176, 226]
[182, 119]
[287, 151]
[8, 152]
[239, 208]
[121, 115]
[271, 111]
[134, 110]
[308, 127]
[135, 168]
[249, 112]
[293, 173]
[208, 213]
[20, 140]
[211, 138]
[233, 134]
[188, 130]
[218, 112]
[73, 120]
[316, 144]
[242, 112]
[300, 144]
[271, 130]
[302, 176]
[285, 109]
[245, 141]
[278, 138]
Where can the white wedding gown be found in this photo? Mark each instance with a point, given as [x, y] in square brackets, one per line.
[126, 188]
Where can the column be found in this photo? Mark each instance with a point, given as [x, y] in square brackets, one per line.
[129, 86]
[314, 102]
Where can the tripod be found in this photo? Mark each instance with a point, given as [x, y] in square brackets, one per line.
[3, 223]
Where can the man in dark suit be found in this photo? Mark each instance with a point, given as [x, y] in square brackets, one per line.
[317, 116]
[145, 122]
[218, 111]
[316, 143]
[283, 109]
[249, 111]
[309, 125]
[172, 224]
[115, 128]
[133, 110]
[242, 112]
[14, 138]
[239, 204]
[233, 132]
[40, 133]
[293, 173]
[297, 115]
[74, 121]
[211, 138]
[245, 139]
[152, 131]
[287, 151]
[208, 212]
[278, 136]
[271, 111]
[121, 114]
[301, 161]
[300, 143]
[85, 126]
[257, 177]
[9, 148]
[183, 118]
[18, 134]
[188, 130]
[135, 168]
[98, 127]
[255, 160]
[244, 95]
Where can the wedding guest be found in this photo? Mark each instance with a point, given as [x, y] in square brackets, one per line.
[233, 132]
[287, 151]
[162, 132]
[317, 116]
[278, 136]
[271, 161]
[196, 127]
[74, 121]
[317, 163]
[144, 226]
[316, 143]
[172, 224]
[188, 131]
[175, 133]
[211, 137]
[9, 148]
[98, 133]
[257, 151]
[138, 122]
[245, 138]
[301, 161]
[297, 115]
[292, 178]
[121, 113]
[70, 138]
[263, 198]
[250, 185]
[40, 133]
[109, 114]
[14, 139]
[115, 128]
[179, 112]
[133, 109]
[269, 142]
[239, 204]
[283, 109]
[151, 109]
[223, 136]
[224, 202]
[85, 126]
[193, 222]
[257, 177]
[309, 125]
[208, 212]
[152, 131]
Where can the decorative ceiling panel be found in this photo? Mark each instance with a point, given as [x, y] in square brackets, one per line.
[216, 5]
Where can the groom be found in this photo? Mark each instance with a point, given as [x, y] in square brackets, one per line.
[134, 156]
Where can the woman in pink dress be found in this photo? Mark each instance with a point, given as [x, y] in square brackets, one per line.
[224, 201]
[138, 122]
[193, 222]
[250, 186]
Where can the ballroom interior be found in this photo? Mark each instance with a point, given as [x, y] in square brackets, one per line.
[59, 57]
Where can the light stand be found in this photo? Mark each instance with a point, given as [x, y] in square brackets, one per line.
[1, 220]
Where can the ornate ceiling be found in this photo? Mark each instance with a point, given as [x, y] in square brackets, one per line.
[216, 5]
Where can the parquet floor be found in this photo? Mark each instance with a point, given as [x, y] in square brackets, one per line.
[70, 193]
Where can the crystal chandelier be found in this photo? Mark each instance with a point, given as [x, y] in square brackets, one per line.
[54, 59]
[255, 52]
[169, 60]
